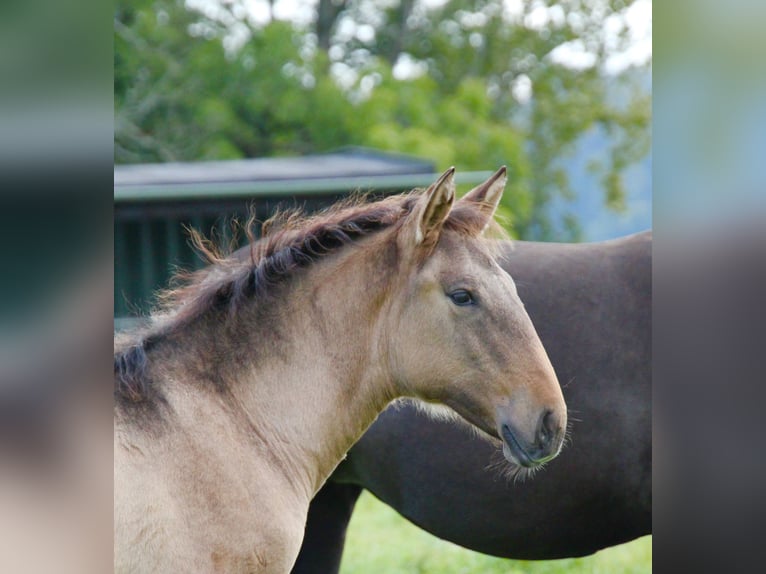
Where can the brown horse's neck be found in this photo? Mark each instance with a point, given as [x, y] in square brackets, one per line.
[303, 376]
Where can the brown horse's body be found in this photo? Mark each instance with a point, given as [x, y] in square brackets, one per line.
[232, 410]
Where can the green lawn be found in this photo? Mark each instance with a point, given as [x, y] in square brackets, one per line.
[381, 541]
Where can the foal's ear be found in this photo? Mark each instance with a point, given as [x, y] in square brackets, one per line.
[433, 207]
[486, 196]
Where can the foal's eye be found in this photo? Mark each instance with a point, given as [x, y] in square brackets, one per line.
[461, 297]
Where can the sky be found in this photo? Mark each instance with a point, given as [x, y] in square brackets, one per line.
[635, 20]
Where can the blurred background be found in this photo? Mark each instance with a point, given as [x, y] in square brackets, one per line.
[558, 91]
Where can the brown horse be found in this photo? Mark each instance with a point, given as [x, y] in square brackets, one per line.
[234, 407]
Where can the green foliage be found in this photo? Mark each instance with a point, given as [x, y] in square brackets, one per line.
[380, 541]
[193, 86]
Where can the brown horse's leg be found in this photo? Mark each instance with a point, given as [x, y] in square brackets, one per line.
[328, 518]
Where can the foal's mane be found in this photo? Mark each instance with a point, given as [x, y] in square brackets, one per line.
[290, 240]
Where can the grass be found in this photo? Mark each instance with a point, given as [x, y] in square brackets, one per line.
[381, 541]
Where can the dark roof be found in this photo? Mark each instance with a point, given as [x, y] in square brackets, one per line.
[348, 162]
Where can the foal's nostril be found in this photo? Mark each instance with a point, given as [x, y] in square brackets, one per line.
[546, 430]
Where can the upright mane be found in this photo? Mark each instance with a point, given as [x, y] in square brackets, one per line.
[291, 240]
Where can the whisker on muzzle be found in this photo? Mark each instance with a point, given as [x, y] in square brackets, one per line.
[509, 471]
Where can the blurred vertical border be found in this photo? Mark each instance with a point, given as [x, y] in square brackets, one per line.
[55, 285]
[709, 360]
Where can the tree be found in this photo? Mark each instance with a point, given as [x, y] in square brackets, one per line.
[465, 83]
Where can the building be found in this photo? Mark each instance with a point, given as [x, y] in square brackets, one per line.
[153, 203]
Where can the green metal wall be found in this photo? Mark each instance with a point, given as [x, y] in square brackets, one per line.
[150, 240]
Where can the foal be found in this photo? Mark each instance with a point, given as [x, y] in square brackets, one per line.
[236, 405]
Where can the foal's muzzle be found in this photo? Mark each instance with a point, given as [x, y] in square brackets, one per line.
[546, 444]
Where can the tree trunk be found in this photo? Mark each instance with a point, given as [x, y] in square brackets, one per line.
[397, 44]
[327, 14]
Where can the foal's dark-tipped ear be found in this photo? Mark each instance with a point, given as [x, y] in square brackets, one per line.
[486, 196]
[432, 210]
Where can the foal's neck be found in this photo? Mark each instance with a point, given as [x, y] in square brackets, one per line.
[321, 395]
[308, 376]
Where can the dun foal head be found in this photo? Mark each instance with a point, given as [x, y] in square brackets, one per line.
[459, 334]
